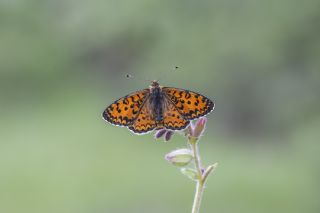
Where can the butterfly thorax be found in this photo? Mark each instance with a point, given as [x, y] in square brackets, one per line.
[156, 101]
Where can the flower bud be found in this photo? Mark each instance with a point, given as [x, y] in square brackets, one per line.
[159, 133]
[168, 135]
[188, 131]
[179, 157]
[164, 132]
[199, 127]
[190, 173]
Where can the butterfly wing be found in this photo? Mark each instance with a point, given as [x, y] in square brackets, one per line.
[124, 111]
[144, 123]
[172, 119]
[190, 104]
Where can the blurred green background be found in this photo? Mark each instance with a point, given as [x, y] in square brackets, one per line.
[63, 62]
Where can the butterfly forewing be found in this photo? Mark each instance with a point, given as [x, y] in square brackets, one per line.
[190, 104]
[124, 111]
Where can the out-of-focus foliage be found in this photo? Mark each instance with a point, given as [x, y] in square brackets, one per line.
[62, 62]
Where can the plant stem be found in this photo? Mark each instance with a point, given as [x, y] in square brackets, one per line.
[196, 156]
[198, 197]
[201, 176]
[200, 182]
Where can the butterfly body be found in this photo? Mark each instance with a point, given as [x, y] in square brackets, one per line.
[156, 102]
[157, 107]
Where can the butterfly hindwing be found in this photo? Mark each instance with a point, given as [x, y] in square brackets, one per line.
[124, 111]
[144, 122]
[172, 119]
[190, 104]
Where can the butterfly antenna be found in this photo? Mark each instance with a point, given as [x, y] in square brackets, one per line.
[160, 79]
[129, 76]
[149, 80]
[173, 69]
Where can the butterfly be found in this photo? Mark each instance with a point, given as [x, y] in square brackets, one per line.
[157, 107]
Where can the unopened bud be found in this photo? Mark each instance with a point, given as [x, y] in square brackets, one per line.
[188, 131]
[179, 157]
[160, 133]
[190, 173]
[199, 127]
[168, 135]
[164, 132]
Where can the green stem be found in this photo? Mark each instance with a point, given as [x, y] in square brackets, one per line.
[201, 176]
[198, 197]
[196, 156]
[200, 182]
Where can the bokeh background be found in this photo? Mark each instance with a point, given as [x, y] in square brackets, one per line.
[63, 62]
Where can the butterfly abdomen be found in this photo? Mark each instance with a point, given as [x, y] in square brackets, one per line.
[156, 103]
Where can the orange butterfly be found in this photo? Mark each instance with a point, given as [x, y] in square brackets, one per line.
[156, 108]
